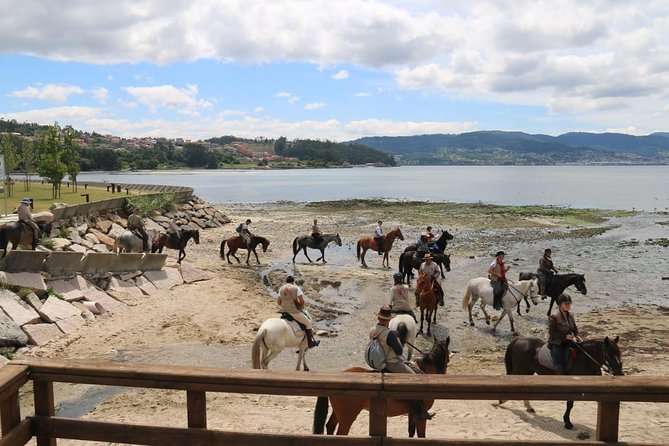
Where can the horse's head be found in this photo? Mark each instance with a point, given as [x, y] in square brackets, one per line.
[399, 233]
[265, 243]
[532, 290]
[436, 360]
[580, 284]
[611, 356]
[337, 239]
[445, 235]
[192, 233]
[422, 283]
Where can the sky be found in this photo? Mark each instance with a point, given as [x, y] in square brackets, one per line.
[336, 70]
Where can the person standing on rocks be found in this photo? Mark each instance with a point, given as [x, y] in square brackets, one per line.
[291, 301]
[136, 224]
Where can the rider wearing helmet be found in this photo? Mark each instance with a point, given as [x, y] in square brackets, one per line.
[562, 332]
[399, 297]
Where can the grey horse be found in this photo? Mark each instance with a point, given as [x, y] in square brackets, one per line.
[128, 241]
[306, 241]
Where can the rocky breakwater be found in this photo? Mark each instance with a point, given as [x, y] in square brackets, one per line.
[97, 232]
[36, 308]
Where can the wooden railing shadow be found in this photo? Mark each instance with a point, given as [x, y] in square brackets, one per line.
[608, 391]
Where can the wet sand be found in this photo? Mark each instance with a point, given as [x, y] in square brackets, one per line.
[212, 323]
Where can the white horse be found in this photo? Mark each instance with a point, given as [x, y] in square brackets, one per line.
[273, 336]
[480, 288]
[403, 322]
[128, 241]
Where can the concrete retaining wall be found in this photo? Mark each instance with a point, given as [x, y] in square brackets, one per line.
[74, 262]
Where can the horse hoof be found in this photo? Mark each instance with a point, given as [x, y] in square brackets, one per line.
[306, 369]
[531, 410]
[471, 324]
[487, 322]
[568, 425]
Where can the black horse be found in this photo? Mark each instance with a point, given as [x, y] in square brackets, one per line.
[409, 261]
[442, 243]
[307, 241]
[167, 241]
[556, 286]
[521, 358]
[18, 233]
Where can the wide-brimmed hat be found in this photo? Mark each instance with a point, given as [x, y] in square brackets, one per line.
[427, 256]
[25, 200]
[500, 253]
[385, 314]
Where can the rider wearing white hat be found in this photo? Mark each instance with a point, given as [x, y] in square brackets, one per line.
[26, 216]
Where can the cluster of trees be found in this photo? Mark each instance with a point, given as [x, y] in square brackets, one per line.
[52, 155]
[329, 152]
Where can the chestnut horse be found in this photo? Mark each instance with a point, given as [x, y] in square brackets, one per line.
[427, 301]
[165, 241]
[346, 409]
[366, 243]
[236, 242]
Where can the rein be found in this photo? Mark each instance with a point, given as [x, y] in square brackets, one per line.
[601, 365]
[518, 299]
[414, 347]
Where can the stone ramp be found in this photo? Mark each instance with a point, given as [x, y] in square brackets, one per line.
[20, 261]
[61, 262]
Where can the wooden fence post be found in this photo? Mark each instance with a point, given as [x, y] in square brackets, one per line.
[10, 411]
[197, 409]
[378, 423]
[608, 418]
[44, 407]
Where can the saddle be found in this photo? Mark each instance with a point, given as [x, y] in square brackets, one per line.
[298, 328]
[546, 359]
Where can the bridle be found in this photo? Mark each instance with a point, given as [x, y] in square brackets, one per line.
[605, 364]
[518, 299]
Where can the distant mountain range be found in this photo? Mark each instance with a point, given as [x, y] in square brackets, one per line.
[500, 147]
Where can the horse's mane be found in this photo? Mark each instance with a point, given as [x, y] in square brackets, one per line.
[437, 356]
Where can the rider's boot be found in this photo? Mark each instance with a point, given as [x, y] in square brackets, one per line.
[440, 295]
[311, 342]
[497, 302]
[419, 412]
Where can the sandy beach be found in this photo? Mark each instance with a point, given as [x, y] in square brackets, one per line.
[212, 323]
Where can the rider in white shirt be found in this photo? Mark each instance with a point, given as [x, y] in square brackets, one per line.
[432, 270]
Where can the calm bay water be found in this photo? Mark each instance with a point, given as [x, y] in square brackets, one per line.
[603, 187]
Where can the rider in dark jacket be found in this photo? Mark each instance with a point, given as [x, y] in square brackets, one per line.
[562, 332]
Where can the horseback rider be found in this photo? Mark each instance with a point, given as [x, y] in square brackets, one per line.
[422, 247]
[432, 270]
[497, 275]
[395, 362]
[399, 297]
[545, 271]
[379, 237]
[291, 301]
[26, 216]
[562, 333]
[316, 233]
[174, 231]
[431, 239]
[136, 224]
[245, 233]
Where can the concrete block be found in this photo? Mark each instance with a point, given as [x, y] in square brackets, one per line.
[22, 261]
[191, 274]
[40, 334]
[55, 309]
[10, 332]
[164, 279]
[19, 311]
[33, 281]
[129, 262]
[153, 262]
[71, 324]
[127, 287]
[63, 262]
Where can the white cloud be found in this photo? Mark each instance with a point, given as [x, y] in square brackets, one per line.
[362, 94]
[100, 94]
[291, 97]
[63, 115]
[49, 92]
[184, 100]
[259, 109]
[385, 127]
[340, 75]
[314, 105]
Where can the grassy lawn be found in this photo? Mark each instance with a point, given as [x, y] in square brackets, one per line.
[42, 196]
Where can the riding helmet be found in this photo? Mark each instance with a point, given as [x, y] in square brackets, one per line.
[25, 200]
[564, 297]
[398, 277]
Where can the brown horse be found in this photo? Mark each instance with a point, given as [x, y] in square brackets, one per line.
[236, 242]
[345, 410]
[522, 358]
[366, 243]
[167, 241]
[427, 301]
[20, 234]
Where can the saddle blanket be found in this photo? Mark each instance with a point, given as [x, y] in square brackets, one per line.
[545, 358]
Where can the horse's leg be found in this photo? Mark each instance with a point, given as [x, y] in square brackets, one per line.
[266, 359]
[420, 428]
[307, 255]
[362, 257]
[182, 255]
[331, 425]
[469, 307]
[322, 257]
[565, 417]
[422, 312]
[412, 425]
[257, 259]
[429, 322]
[434, 316]
[527, 301]
[550, 306]
[442, 271]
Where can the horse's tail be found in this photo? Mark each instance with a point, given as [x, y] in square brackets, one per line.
[320, 414]
[255, 350]
[357, 250]
[507, 357]
[295, 246]
[402, 332]
[401, 265]
[223, 249]
[466, 298]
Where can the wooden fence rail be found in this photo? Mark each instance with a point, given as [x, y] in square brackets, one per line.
[197, 381]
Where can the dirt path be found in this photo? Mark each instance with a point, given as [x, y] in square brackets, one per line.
[212, 323]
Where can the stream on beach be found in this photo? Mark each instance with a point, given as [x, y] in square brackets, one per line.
[622, 268]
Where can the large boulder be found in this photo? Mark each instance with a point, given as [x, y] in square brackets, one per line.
[10, 332]
[103, 238]
[19, 311]
[55, 310]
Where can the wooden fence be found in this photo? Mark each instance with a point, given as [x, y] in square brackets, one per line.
[608, 391]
